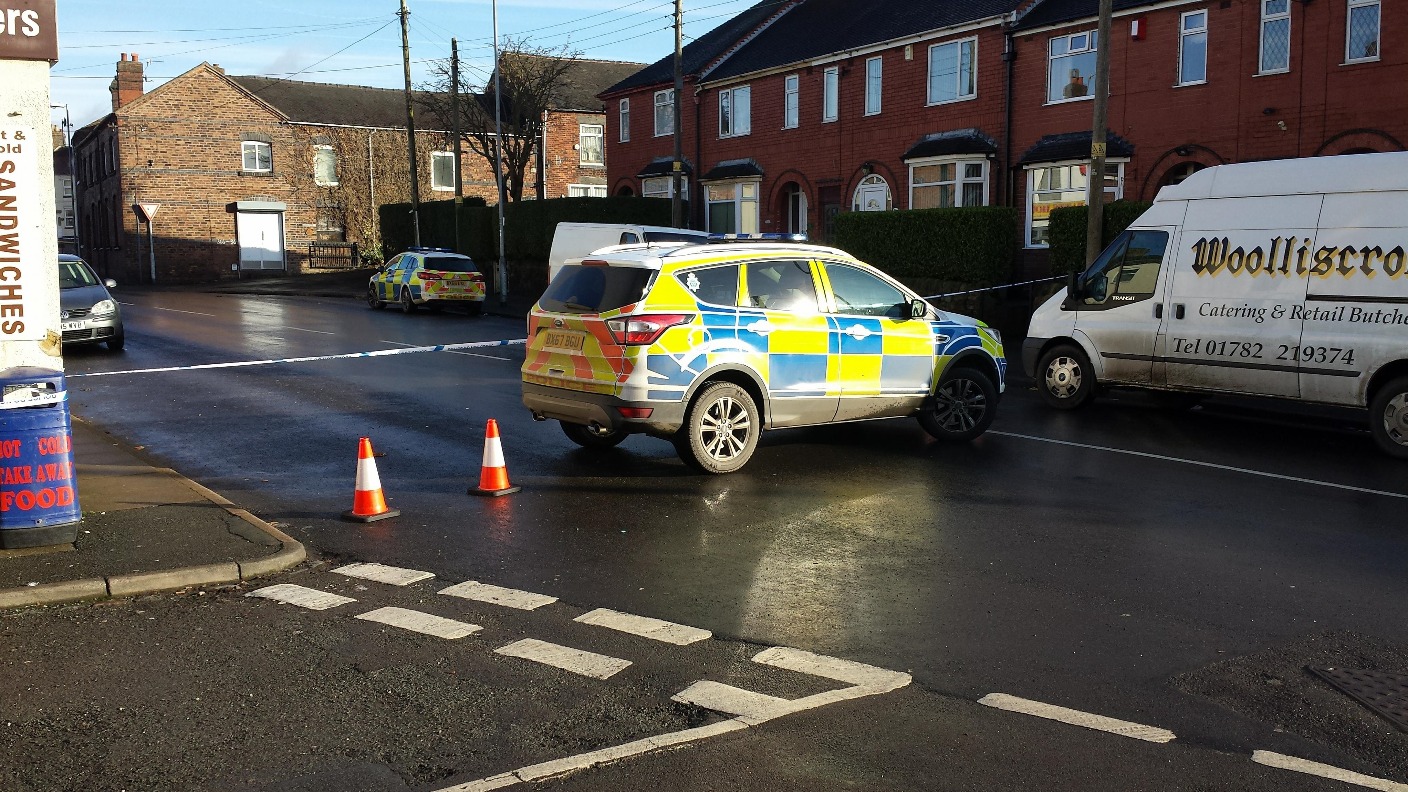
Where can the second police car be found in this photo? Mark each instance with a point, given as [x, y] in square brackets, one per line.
[428, 277]
[708, 345]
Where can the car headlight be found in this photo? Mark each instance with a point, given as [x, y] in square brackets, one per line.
[994, 334]
[104, 308]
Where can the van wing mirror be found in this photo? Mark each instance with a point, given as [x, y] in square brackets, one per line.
[1073, 286]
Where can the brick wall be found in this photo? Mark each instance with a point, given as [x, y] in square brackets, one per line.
[563, 166]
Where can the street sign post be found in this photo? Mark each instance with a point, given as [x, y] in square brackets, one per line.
[147, 211]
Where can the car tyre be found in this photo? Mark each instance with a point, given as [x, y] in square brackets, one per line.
[374, 299]
[1064, 378]
[408, 305]
[962, 406]
[720, 430]
[1388, 418]
[587, 437]
[117, 342]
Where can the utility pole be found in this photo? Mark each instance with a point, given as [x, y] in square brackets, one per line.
[499, 160]
[677, 167]
[455, 131]
[410, 124]
[1095, 188]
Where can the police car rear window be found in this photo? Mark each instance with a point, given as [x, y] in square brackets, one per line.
[449, 264]
[593, 289]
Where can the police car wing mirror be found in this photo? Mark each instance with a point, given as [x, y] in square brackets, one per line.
[918, 309]
[110, 283]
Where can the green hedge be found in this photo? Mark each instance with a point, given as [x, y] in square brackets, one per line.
[972, 246]
[1068, 232]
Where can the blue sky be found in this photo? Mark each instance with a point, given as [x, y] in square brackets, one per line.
[356, 42]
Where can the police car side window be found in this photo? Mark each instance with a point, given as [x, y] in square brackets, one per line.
[860, 293]
[713, 285]
[781, 286]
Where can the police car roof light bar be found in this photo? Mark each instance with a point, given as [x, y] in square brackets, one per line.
[424, 249]
[769, 237]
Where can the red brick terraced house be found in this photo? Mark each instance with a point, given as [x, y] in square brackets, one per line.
[795, 111]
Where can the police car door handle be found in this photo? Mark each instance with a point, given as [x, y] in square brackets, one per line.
[858, 332]
[761, 327]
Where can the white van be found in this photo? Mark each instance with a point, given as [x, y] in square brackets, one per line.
[1286, 279]
[572, 242]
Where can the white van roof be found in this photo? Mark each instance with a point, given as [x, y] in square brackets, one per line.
[1309, 175]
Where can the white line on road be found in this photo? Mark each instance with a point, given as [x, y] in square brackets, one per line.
[306, 330]
[497, 595]
[848, 671]
[578, 661]
[314, 358]
[380, 573]
[301, 596]
[1331, 772]
[466, 354]
[1138, 731]
[645, 627]
[172, 310]
[728, 699]
[1213, 465]
[426, 623]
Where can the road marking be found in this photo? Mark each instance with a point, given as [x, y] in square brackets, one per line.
[311, 359]
[848, 671]
[645, 627]
[466, 354]
[303, 597]
[306, 330]
[1331, 772]
[380, 573]
[1137, 731]
[426, 623]
[172, 310]
[1196, 463]
[507, 597]
[578, 661]
[728, 699]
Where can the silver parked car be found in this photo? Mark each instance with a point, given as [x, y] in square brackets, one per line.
[87, 312]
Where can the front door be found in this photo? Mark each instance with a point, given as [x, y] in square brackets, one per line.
[782, 314]
[886, 359]
[1119, 306]
[261, 239]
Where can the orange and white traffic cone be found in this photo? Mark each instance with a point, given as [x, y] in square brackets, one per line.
[493, 475]
[368, 504]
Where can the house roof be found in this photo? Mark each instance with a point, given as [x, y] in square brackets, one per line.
[587, 78]
[328, 103]
[1074, 146]
[954, 141]
[1055, 12]
[733, 169]
[664, 166]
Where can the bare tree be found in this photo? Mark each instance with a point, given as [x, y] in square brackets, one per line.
[531, 80]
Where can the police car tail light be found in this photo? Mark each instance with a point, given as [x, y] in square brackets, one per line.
[645, 328]
[426, 275]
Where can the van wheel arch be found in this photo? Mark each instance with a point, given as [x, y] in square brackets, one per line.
[1386, 374]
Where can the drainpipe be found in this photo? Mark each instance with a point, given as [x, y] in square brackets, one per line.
[371, 172]
[697, 202]
[1009, 55]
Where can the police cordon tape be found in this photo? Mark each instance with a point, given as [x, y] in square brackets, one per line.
[996, 288]
[313, 358]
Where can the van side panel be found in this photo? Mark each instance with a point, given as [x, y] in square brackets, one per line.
[1356, 311]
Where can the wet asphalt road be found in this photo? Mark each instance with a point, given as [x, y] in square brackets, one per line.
[1169, 568]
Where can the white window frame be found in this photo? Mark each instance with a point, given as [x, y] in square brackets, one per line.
[586, 132]
[739, 116]
[830, 94]
[791, 101]
[665, 100]
[972, 47]
[249, 147]
[1379, 27]
[1092, 45]
[1184, 33]
[624, 118]
[441, 156]
[586, 191]
[874, 84]
[1114, 194]
[319, 151]
[1266, 19]
[745, 207]
[960, 177]
[663, 187]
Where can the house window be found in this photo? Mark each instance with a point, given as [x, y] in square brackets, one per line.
[1193, 48]
[937, 184]
[1275, 36]
[735, 112]
[733, 207]
[789, 101]
[591, 144]
[952, 71]
[1072, 67]
[324, 166]
[830, 87]
[1054, 186]
[330, 224]
[663, 187]
[664, 113]
[872, 85]
[625, 115]
[873, 195]
[1362, 31]
[586, 191]
[258, 157]
[442, 170]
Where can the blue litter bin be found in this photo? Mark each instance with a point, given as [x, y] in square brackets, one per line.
[38, 483]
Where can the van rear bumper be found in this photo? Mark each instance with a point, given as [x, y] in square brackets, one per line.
[587, 408]
[1031, 350]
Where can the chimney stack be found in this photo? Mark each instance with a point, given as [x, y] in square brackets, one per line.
[127, 85]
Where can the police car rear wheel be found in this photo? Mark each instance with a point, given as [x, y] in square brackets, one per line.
[407, 304]
[721, 430]
[587, 437]
[373, 299]
[962, 407]
[1388, 418]
[1065, 379]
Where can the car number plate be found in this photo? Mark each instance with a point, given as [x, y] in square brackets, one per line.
[65, 326]
[565, 341]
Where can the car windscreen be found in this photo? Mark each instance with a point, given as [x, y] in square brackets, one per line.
[593, 289]
[75, 274]
[673, 236]
[449, 264]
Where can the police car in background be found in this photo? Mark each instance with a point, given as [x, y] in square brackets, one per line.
[429, 277]
[708, 345]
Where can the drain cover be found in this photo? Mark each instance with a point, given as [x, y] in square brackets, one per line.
[1386, 694]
